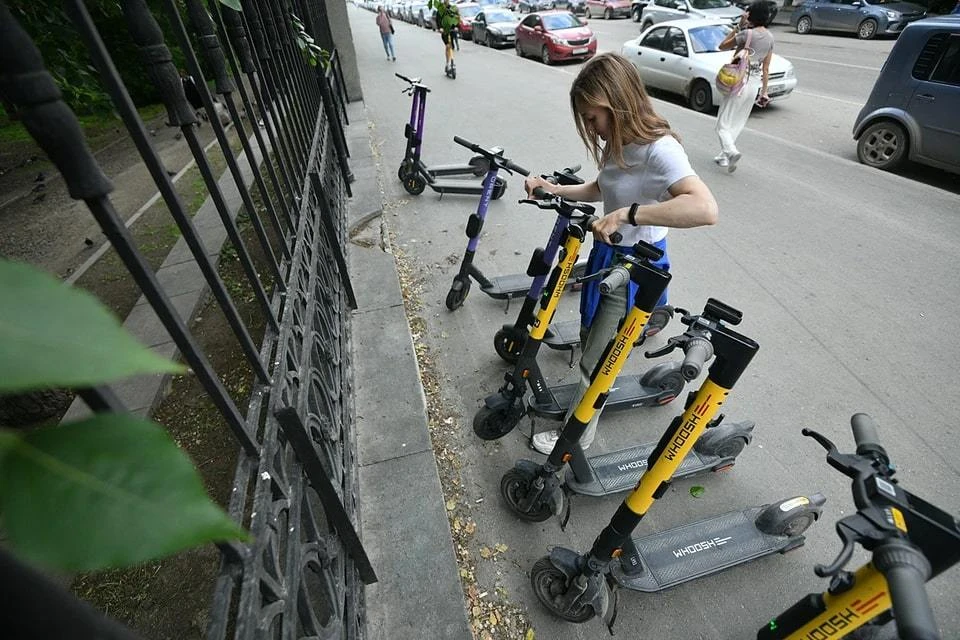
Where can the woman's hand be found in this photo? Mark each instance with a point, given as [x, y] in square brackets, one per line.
[533, 181]
[609, 223]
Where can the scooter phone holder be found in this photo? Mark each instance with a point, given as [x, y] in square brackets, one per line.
[716, 310]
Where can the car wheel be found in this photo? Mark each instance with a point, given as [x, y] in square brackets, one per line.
[545, 56]
[487, 40]
[635, 14]
[867, 29]
[516, 45]
[608, 14]
[646, 25]
[804, 25]
[883, 145]
[701, 97]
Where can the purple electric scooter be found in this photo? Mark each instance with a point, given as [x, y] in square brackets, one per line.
[417, 176]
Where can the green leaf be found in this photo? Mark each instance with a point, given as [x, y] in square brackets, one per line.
[110, 491]
[233, 4]
[54, 335]
[697, 491]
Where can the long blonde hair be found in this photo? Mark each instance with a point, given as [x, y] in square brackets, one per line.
[610, 82]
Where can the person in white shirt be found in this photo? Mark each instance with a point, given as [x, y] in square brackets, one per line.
[646, 185]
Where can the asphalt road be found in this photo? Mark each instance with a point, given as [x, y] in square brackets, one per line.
[845, 275]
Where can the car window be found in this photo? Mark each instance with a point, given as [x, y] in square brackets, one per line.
[469, 12]
[948, 67]
[500, 16]
[707, 39]
[530, 21]
[665, 3]
[710, 4]
[675, 43]
[554, 21]
[654, 39]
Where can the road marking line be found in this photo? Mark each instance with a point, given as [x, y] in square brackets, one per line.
[839, 64]
[818, 95]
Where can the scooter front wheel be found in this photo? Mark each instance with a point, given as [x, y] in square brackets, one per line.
[508, 343]
[457, 294]
[405, 171]
[514, 486]
[415, 185]
[550, 584]
[490, 424]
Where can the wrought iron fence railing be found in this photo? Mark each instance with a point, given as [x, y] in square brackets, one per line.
[294, 487]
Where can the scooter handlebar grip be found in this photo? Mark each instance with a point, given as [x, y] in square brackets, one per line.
[540, 193]
[617, 277]
[907, 570]
[696, 354]
[616, 237]
[516, 168]
[467, 144]
[864, 431]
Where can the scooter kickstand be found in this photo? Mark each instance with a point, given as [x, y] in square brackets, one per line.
[567, 499]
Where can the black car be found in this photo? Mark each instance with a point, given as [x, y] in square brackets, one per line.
[495, 27]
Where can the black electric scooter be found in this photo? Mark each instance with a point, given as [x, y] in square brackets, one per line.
[911, 542]
[500, 288]
[577, 587]
[416, 176]
[502, 411]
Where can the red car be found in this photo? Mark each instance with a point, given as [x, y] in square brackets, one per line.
[468, 11]
[555, 35]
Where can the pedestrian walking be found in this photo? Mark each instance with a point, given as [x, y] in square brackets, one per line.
[386, 33]
[750, 38]
[646, 185]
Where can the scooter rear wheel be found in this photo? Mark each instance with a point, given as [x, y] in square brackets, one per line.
[491, 424]
[775, 521]
[457, 294]
[549, 583]
[508, 343]
[513, 487]
[480, 166]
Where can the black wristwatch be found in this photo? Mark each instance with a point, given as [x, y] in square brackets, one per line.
[632, 216]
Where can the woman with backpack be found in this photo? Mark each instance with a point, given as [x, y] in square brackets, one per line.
[750, 38]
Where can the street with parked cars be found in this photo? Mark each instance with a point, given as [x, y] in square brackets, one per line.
[821, 76]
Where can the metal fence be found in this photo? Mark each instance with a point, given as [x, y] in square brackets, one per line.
[295, 481]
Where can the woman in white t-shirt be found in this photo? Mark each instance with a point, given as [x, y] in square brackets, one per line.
[643, 169]
[735, 108]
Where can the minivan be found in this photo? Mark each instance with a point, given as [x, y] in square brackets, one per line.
[913, 111]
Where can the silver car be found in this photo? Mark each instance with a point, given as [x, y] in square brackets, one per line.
[912, 111]
[658, 11]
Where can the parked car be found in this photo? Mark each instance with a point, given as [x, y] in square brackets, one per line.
[495, 28]
[528, 6]
[912, 111]
[662, 10]
[609, 9]
[743, 5]
[683, 57]
[555, 36]
[576, 7]
[866, 18]
[468, 11]
[636, 9]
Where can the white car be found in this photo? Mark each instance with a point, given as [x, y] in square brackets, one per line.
[656, 11]
[683, 56]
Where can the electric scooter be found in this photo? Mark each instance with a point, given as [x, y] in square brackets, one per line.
[504, 287]
[911, 540]
[502, 411]
[574, 586]
[416, 176]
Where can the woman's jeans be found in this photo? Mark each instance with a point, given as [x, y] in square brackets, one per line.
[388, 45]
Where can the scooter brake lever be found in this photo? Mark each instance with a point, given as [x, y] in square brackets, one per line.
[849, 537]
[593, 276]
[672, 343]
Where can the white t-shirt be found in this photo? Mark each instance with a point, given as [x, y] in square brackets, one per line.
[651, 170]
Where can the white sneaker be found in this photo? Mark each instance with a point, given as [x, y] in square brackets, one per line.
[732, 162]
[546, 440]
[722, 160]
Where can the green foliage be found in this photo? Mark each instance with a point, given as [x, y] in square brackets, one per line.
[448, 16]
[40, 345]
[112, 490]
[312, 53]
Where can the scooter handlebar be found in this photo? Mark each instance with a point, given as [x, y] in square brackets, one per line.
[516, 168]
[403, 77]
[507, 164]
[907, 570]
[698, 350]
[618, 277]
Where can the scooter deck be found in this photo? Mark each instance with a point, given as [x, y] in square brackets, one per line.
[515, 285]
[700, 549]
[563, 335]
[626, 393]
[464, 186]
[621, 470]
